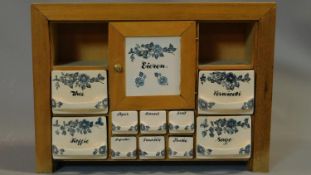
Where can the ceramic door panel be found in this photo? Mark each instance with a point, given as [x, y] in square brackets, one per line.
[79, 92]
[152, 65]
[226, 92]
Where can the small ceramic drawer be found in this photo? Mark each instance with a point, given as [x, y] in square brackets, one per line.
[226, 92]
[153, 122]
[223, 137]
[79, 138]
[181, 121]
[79, 92]
[180, 148]
[124, 122]
[152, 147]
[123, 148]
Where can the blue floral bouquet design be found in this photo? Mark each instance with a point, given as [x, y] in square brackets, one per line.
[150, 50]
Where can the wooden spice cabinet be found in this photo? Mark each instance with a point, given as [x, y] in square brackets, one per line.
[229, 36]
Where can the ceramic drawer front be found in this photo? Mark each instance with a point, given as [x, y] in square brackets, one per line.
[123, 148]
[223, 137]
[180, 148]
[79, 137]
[152, 147]
[226, 92]
[79, 92]
[153, 122]
[124, 122]
[181, 121]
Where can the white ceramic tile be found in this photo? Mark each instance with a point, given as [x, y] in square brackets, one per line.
[79, 138]
[223, 137]
[123, 148]
[124, 122]
[181, 121]
[180, 148]
[153, 122]
[226, 92]
[152, 66]
[79, 92]
[152, 147]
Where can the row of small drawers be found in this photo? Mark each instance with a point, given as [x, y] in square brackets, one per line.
[223, 137]
[152, 122]
[219, 92]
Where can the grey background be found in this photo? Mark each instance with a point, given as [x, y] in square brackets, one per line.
[290, 142]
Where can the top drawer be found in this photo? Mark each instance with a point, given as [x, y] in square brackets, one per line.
[226, 92]
[79, 92]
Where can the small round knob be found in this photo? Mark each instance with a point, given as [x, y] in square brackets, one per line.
[118, 67]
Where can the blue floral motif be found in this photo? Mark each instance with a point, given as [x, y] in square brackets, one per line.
[77, 79]
[176, 127]
[56, 104]
[144, 127]
[173, 127]
[142, 153]
[101, 150]
[205, 106]
[249, 105]
[57, 151]
[171, 152]
[73, 127]
[133, 128]
[132, 154]
[227, 79]
[162, 80]
[188, 153]
[202, 151]
[140, 80]
[162, 127]
[160, 153]
[103, 104]
[220, 126]
[115, 153]
[246, 150]
[115, 127]
[150, 50]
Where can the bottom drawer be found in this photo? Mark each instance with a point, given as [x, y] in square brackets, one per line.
[79, 137]
[223, 137]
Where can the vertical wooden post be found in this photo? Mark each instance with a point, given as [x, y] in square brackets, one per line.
[41, 81]
[263, 65]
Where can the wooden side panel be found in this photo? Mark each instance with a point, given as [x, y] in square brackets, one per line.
[263, 65]
[41, 81]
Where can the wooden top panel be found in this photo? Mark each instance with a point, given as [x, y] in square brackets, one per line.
[154, 11]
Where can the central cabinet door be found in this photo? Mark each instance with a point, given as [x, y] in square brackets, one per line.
[152, 65]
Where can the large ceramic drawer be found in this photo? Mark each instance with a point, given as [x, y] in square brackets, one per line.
[79, 92]
[223, 137]
[79, 138]
[226, 92]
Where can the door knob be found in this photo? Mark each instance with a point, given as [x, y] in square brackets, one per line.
[118, 67]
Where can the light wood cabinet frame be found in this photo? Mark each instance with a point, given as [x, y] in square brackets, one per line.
[263, 14]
